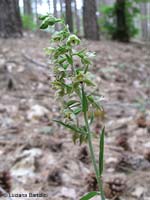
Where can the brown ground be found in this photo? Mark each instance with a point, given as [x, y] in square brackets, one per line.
[41, 156]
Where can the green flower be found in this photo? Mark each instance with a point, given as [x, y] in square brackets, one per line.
[73, 40]
[49, 50]
[82, 77]
[57, 37]
[90, 54]
[61, 35]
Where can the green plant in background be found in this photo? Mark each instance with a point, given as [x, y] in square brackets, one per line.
[108, 20]
[28, 23]
[73, 86]
[132, 10]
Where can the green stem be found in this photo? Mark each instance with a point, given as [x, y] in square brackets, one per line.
[72, 66]
[98, 178]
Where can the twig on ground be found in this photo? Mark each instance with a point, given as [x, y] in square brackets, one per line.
[39, 64]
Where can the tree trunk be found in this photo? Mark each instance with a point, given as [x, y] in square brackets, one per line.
[149, 20]
[27, 7]
[91, 28]
[69, 18]
[49, 5]
[36, 12]
[122, 33]
[144, 22]
[61, 14]
[61, 8]
[98, 4]
[55, 13]
[77, 17]
[10, 20]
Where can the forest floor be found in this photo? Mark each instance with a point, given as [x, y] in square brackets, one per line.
[41, 156]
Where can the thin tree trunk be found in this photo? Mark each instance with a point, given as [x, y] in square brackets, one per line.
[27, 7]
[149, 20]
[61, 14]
[69, 18]
[55, 13]
[98, 4]
[36, 12]
[49, 5]
[77, 18]
[144, 22]
[61, 8]
[10, 20]
[91, 28]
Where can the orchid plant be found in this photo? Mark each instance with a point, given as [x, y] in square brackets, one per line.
[73, 86]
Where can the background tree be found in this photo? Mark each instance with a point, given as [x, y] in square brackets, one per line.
[122, 31]
[10, 20]
[69, 18]
[61, 8]
[27, 7]
[121, 19]
[98, 2]
[77, 17]
[91, 28]
[144, 19]
[49, 5]
[36, 10]
[55, 12]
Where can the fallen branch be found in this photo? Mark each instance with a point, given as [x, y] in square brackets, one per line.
[121, 126]
[39, 64]
[120, 105]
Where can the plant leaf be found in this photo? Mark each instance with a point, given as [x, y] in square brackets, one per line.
[81, 139]
[89, 195]
[75, 137]
[93, 102]
[44, 24]
[86, 69]
[77, 111]
[101, 153]
[69, 59]
[72, 102]
[88, 82]
[72, 127]
[42, 17]
[84, 101]
[91, 118]
[67, 125]
[48, 21]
